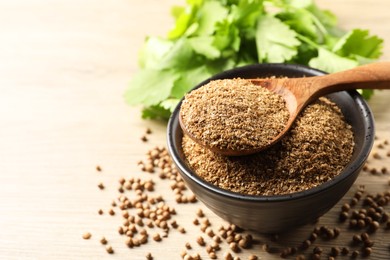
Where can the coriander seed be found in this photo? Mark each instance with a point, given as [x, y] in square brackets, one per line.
[87, 235]
[109, 249]
[103, 241]
[101, 186]
[157, 237]
[149, 256]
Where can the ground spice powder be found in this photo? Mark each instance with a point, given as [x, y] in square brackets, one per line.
[316, 149]
[233, 114]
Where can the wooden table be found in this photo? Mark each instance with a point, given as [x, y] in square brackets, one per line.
[64, 66]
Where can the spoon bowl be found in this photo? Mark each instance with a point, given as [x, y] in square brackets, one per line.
[299, 92]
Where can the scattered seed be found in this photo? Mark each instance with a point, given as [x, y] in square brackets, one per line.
[376, 155]
[227, 256]
[343, 216]
[305, 244]
[357, 239]
[334, 251]
[87, 235]
[344, 251]
[98, 168]
[109, 249]
[103, 241]
[200, 241]
[209, 232]
[149, 256]
[234, 247]
[374, 226]
[143, 239]
[368, 243]
[371, 217]
[266, 248]
[157, 237]
[366, 251]
[195, 221]
[195, 256]
[136, 242]
[120, 230]
[243, 243]
[181, 230]
[317, 250]
[355, 254]
[354, 201]
[200, 213]
[253, 257]
[101, 186]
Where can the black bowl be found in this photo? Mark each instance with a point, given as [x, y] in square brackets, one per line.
[275, 214]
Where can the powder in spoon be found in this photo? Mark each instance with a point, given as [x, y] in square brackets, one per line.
[233, 114]
[317, 148]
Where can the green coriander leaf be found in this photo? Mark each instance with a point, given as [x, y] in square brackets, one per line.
[177, 11]
[152, 52]
[210, 36]
[150, 87]
[331, 62]
[182, 23]
[191, 30]
[246, 12]
[326, 17]
[366, 93]
[305, 53]
[275, 41]
[359, 42]
[216, 66]
[211, 13]
[245, 57]
[204, 45]
[301, 21]
[227, 35]
[170, 104]
[180, 55]
[189, 79]
[155, 112]
[362, 60]
[184, 17]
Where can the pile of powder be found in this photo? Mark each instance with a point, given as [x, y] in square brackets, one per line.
[316, 149]
[233, 114]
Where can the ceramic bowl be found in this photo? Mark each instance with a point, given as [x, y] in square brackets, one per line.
[275, 214]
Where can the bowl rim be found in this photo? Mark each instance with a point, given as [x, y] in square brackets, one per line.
[350, 168]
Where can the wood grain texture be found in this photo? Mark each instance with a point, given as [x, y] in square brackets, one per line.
[64, 66]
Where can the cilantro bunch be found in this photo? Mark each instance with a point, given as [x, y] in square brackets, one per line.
[215, 35]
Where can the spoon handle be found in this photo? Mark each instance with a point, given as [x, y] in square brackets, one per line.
[370, 76]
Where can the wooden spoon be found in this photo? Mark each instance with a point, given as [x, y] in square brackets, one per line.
[299, 92]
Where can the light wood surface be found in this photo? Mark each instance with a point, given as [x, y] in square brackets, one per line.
[64, 66]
